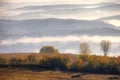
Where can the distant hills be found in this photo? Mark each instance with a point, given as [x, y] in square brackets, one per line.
[55, 27]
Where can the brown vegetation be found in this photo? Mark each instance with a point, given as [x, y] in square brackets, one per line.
[64, 62]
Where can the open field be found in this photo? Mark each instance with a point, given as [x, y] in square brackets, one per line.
[14, 74]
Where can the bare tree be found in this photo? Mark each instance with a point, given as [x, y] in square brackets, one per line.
[105, 46]
[85, 48]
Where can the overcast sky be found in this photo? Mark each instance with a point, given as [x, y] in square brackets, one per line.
[99, 14]
[94, 9]
[62, 1]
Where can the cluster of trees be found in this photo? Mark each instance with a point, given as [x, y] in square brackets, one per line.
[82, 63]
[84, 48]
[104, 44]
[35, 61]
[97, 64]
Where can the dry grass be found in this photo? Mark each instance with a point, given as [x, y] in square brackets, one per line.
[11, 74]
[37, 55]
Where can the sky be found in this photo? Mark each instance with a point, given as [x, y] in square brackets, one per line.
[61, 1]
[31, 24]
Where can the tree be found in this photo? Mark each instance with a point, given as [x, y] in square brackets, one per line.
[2, 61]
[31, 58]
[13, 61]
[105, 46]
[48, 49]
[84, 48]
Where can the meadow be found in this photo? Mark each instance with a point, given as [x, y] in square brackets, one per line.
[16, 74]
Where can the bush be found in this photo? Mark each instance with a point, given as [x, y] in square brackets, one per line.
[84, 63]
[54, 61]
[31, 58]
[48, 49]
[3, 62]
[77, 65]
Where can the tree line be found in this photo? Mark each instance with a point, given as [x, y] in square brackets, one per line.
[50, 58]
[65, 62]
[104, 44]
[84, 48]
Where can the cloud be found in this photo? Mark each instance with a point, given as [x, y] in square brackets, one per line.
[113, 22]
[63, 11]
[61, 1]
[64, 39]
[117, 17]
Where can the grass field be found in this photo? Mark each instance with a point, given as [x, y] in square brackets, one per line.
[14, 74]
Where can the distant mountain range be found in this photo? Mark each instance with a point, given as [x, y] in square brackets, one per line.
[55, 27]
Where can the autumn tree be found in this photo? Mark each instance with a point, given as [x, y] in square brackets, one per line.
[2, 61]
[105, 46]
[84, 48]
[48, 49]
[15, 62]
[31, 58]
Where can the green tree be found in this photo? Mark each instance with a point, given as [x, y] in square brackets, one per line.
[105, 46]
[48, 49]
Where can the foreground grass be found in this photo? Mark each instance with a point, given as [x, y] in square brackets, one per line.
[14, 74]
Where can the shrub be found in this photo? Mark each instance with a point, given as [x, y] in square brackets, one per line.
[31, 58]
[54, 61]
[84, 63]
[48, 49]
